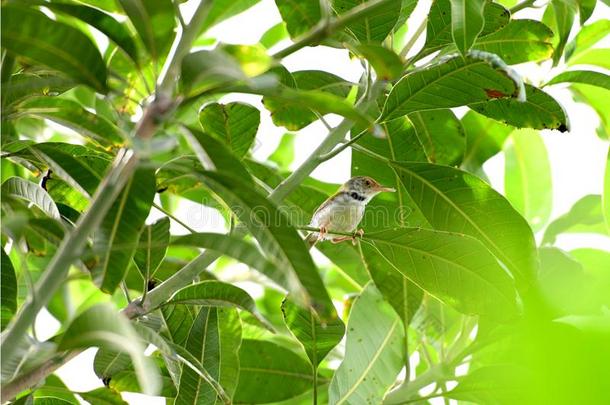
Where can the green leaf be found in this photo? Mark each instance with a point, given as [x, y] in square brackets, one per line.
[22, 189]
[484, 139]
[238, 249]
[606, 193]
[564, 20]
[107, 363]
[498, 384]
[274, 35]
[527, 177]
[284, 153]
[269, 373]
[585, 216]
[466, 22]
[22, 86]
[234, 123]
[70, 114]
[594, 56]
[221, 10]
[116, 240]
[585, 9]
[373, 355]
[588, 36]
[217, 293]
[454, 268]
[452, 83]
[519, 41]
[177, 320]
[103, 396]
[214, 340]
[595, 97]
[152, 247]
[33, 35]
[539, 111]
[102, 21]
[102, 326]
[317, 339]
[208, 70]
[583, 76]
[441, 135]
[299, 15]
[54, 387]
[154, 22]
[386, 63]
[456, 201]
[277, 238]
[8, 290]
[375, 25]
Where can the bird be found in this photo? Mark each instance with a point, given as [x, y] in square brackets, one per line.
[343, 211]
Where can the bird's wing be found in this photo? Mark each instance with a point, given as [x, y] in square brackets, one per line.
[325, 204]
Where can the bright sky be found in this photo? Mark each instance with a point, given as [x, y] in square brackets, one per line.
[577, 158]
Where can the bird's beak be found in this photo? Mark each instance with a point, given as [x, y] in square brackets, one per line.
[383, 189]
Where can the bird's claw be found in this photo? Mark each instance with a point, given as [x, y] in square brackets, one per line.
[357, 234]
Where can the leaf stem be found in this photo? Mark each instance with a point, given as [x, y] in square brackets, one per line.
[521, 6]
[420, 30]
[335, 152]
[172, 216]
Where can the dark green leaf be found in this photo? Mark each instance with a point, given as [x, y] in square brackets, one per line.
[234, 123]
[103, 396]
[152, 247]
[527, 177]
[70, 114]
[373, 355]
[102, 326]
[583, 76]
[484, 138]
[25, 85]
[318, 339]
[177, 320]
[453, 83]
[386, 63]
[206, 70]
[22, 189]
[8, 290]
[299, 15]
[216, 293]
[54, 387]
[466, 22]
[441, 135]
[455, 201]
[375, 25]
[564, 19]
[585, 216]
[108, 363]
[539, 111]
[116, 240]
[31, 34]
[214, 340]
[269, 373]
[154, 21]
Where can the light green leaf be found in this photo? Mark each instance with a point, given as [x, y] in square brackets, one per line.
[152, 247]
[456, 201]
[274, 35]
[466, 22]
[484, 138]
[209, 70]
[375, 25]
[318, 339]
[594, 56]
[108, 363]
[54, 387]
[386, 63]
[154, 22]
[588, 36]
[217, 293]
[103, 396]
[606, 195]
[214, 340]
[221, 10]
[299, 15]
[31, 34]
[585, 216]
[284, 153]
[8, 290]
[72, 115]
[454, 268]
[373, 355]
[17, 187]
[234, 123]
[539, 111]
[102, 326]
[527, 177]
[564, 20]
[270, 373]
[452, 83]
[116, 240]
[596, 98]
[499, 384]
[583, 76]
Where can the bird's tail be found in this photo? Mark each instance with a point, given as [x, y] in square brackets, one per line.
[311, 239]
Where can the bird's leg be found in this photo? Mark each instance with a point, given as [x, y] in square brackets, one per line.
[322, 233]
[357, 234]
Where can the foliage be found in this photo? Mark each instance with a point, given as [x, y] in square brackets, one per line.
[113, 115]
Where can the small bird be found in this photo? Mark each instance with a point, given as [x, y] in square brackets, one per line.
[343, 211]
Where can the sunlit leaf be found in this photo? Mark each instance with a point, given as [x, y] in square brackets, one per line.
[585, 216]
[466, 22]
[234, 123]
[299, 15]
[593, 56]
[22, 189]
[151, 249]
[595, 97]
[583, 76]
[484, 138]
[386, 63]
[375, 25]
[103, 396]
[284, 153]
[588, 36]
[274, 35]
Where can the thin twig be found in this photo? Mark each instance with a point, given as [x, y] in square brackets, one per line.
[521, 6]
[341, 148]
[170, 215]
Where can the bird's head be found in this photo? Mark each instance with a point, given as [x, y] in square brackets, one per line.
[365, 186]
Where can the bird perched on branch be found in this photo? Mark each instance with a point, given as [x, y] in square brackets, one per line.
[343, 211]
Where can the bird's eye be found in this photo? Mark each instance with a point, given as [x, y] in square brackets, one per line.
[368, 183]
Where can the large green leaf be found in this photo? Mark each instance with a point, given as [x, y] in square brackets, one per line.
[270, 373]
[19, 188]
[441, 135]
[214, 339]
[527, 177]
[373, 355]
[452, 83]
[588, 36]
[519, 41]
[116, 240]
[455, 268]
[108, 362]
[595, 97]
[220, 10]
[456, 201]
[585, 216]
[539, 111]
[152, 247]
[217, 293]
[8, 290]
[595, 56]
[103, 396]
[606, 193]
[318, 339]
[563, 12]
[102, 326]
[386, 63]
[583, 76]
[31, 34]
[277, 238]
[22, 86]
[203, 71]
[484, 138]
[375, 25]
[467, 22]
[72, 115]
[234, 123]
[155, 23]
[299, 15]
[177, 320]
